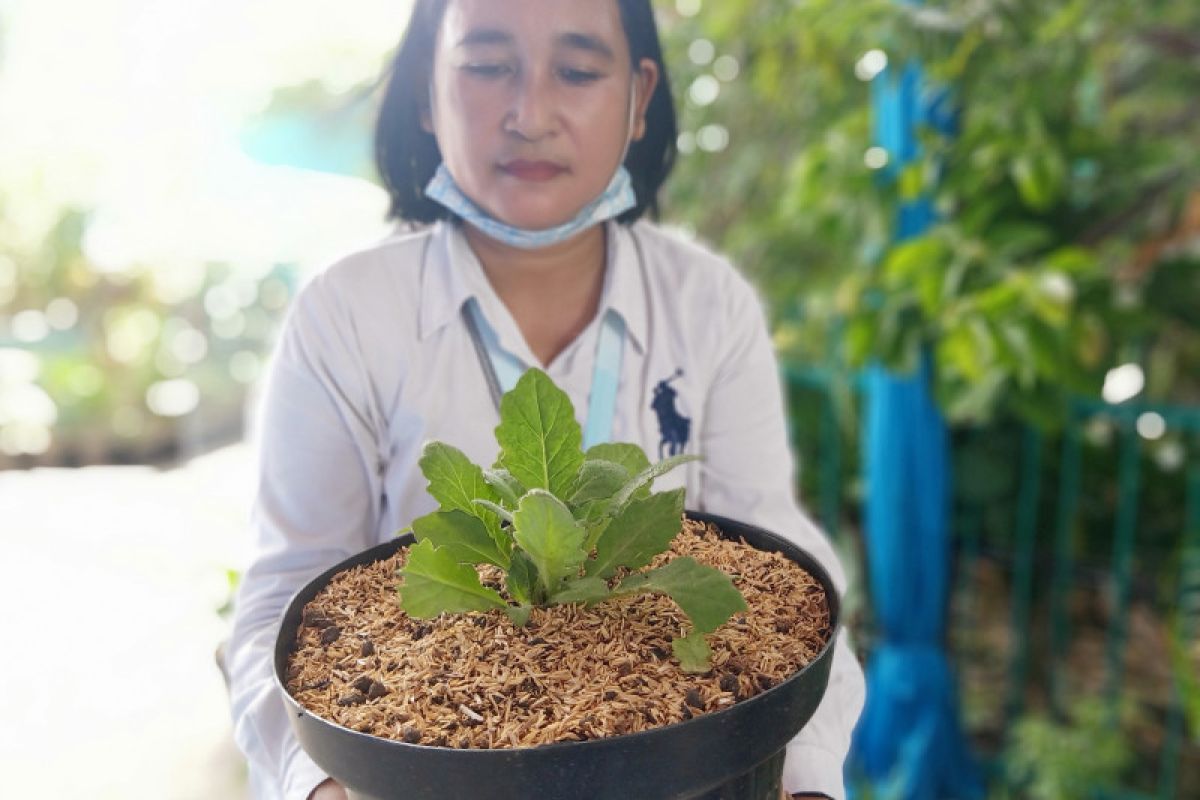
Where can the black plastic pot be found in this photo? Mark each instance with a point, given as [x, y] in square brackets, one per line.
[732, 754]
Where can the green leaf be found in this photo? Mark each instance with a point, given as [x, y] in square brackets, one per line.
[1039, 176]
[455, 482]
[519, 614]
[1020, 238]
[629, 456]
[598, 480]
[961, 350]
[1016, 351]
[646, 477]
[435, 583]
[976, 401]
[521, 578]
[638, 533]
[911, 181]
[594, 513]
[465, 538]
[929, 288]
[505, 485]
[595, 518]
[550, 536]
[693, 652]
[1002, 299]
[860, 339]
[582, 590]
[538, 435]
[1072, 260]
[1047, 350]
[706, 594]
[1052, 310]
[497, 509]
[910, 259]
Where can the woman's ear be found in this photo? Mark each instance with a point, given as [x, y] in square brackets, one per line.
[645, 79]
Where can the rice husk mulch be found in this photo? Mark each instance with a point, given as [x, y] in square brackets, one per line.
[573, 673]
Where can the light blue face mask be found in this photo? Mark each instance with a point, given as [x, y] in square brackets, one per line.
[617, 198]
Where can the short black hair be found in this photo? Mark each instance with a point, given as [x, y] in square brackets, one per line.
[406, 155]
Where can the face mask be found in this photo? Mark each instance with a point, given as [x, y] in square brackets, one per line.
[616, 198]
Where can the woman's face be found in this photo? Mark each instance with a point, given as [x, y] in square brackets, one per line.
[531, 101]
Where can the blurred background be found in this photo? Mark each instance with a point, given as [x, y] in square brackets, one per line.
[1006, 192]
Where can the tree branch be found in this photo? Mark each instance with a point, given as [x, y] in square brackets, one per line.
[1107, 227]
[1180, 44]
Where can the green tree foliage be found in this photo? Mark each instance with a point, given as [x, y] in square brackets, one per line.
[85, 351]
[1064, 241]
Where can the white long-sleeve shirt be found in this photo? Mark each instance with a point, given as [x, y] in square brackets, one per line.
[376, 359]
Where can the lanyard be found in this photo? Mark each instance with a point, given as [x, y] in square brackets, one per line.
[502, 369]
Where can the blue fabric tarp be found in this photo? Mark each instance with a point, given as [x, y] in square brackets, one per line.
[909, 736]
[909, 743]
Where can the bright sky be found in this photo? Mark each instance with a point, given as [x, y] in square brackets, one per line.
[133, 107]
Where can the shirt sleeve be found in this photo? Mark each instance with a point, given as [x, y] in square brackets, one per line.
[314, 507]
[747, 474]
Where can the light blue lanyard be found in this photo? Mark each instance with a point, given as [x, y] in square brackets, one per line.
[503, 369]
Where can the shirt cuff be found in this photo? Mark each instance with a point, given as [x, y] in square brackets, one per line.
[813, 770]
[301, 777]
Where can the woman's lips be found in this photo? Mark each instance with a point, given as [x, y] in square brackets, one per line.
[536, 171]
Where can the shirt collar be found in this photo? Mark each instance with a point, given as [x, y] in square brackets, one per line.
[443, 289]
[624, 283]
[451, 275]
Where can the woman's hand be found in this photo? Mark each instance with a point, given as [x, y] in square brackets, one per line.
[329, 789]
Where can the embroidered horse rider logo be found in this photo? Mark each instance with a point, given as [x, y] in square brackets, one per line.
[673, 426]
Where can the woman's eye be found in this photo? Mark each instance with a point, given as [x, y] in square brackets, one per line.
[578, 76]
[487, 70]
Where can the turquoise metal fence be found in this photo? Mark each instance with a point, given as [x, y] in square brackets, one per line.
[1057, 478]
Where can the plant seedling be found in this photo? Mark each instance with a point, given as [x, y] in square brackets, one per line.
[560, 524]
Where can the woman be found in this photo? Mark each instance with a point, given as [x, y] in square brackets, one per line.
[532, 135]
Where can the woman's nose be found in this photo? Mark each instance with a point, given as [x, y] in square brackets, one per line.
[532, 115]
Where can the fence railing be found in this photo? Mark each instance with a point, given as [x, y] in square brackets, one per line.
[1097, 549]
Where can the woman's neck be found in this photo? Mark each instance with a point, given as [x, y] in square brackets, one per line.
[552, 292]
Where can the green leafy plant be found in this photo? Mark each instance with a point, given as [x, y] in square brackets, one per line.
[1087, 755]
[1186, 683]
[1184, 625]
[563, 526]
[1064, 200]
